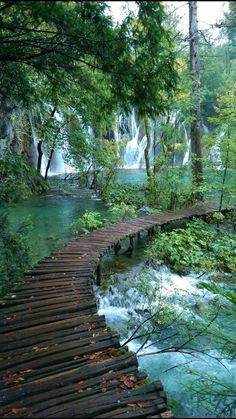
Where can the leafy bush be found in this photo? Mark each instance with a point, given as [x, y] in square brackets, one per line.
[15, 253]
[122, 212]
[196, 247]
[18, 179]
[169, 190]
[128, 194]
[91, 220]
[88, 222]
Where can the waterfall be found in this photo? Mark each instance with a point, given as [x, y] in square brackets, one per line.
[58, 165]
[134, 150]
[215, 153]
[132, 155]
[34, 143]
[188, 146]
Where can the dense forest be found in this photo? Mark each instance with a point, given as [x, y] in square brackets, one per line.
[102, 121]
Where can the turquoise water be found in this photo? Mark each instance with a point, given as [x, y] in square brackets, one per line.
[132, 176]
[212, 183]
[51, 217]
[202, 361]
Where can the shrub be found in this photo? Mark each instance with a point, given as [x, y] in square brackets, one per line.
[168, 190]
[18, 179]
[128, 194]
[197, 247]
[122, 212]
[88, 222]
[15, 253]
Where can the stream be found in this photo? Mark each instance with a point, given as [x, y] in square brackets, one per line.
[133, 292]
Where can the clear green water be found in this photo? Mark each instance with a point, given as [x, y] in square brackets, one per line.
[212, 183]
[51, 217]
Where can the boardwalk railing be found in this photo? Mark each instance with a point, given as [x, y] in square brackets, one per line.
[58, 358]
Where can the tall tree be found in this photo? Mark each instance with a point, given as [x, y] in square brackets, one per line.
[195, 129]
[153, 74]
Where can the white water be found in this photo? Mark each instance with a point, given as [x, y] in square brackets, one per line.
[58, 164]
[124, 303]
[134, 151]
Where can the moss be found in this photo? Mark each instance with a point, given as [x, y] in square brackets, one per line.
[18, 179]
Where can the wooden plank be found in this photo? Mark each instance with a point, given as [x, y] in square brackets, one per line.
[56, 323]
[65, 378]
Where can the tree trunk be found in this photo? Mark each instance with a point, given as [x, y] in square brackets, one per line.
[196, 148]
[155, 145]
[48, 164]
[40, 156]
[147, 149]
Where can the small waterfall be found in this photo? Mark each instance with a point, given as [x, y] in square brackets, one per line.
[58, 165]
[134, 151]
[132, 154]
[215, 153]
[33, 146]
[186, 158]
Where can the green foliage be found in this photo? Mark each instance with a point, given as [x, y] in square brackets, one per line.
[213, 66]
[153, 75]
[168, 190]
[218, 216]
[97, 159]
[18, 179]
[122, 211]
[196, 247]
[128, 194]
[88, 222]
[15, 252]
[91, 220]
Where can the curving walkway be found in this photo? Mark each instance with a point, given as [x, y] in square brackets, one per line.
[58, 358]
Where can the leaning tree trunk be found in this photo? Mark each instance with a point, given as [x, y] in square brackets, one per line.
[196, 149]
[40, 156]
[40, 152]
[147, 149]
[49, 163]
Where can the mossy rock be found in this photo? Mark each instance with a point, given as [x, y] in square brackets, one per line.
[19, 180]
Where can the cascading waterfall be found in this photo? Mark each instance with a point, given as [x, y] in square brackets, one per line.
[134, 150]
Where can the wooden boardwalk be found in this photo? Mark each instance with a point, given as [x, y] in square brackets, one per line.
[58, 358]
